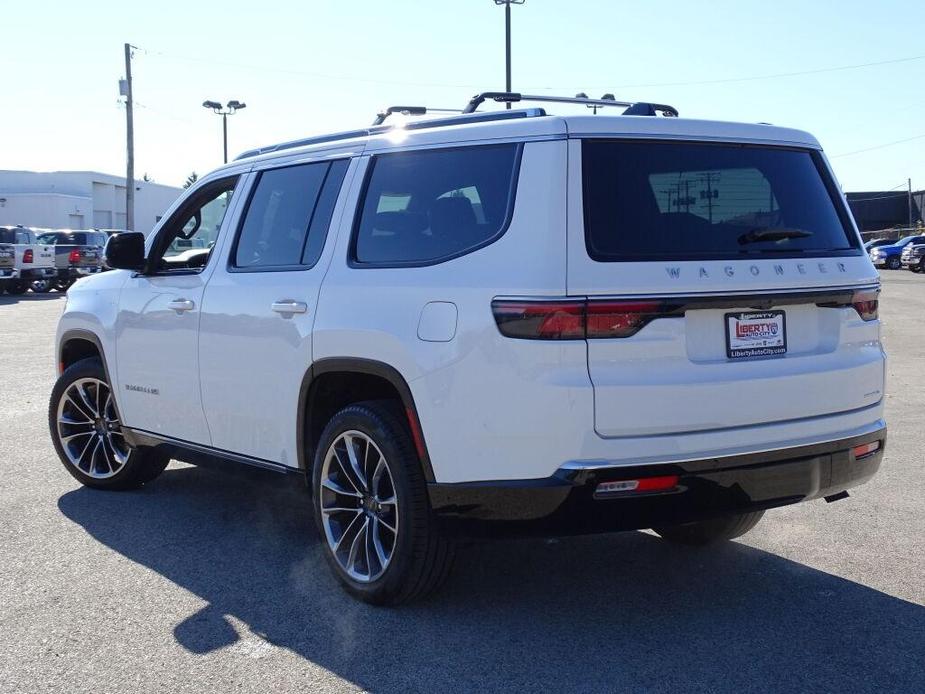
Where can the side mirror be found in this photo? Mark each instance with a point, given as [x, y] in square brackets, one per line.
[126, 251]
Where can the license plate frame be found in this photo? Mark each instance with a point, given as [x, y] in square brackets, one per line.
[765, 335]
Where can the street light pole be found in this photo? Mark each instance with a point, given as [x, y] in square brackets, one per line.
[229, 109]
[507, 41]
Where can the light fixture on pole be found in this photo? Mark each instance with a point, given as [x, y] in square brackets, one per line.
[507, 40]
[229, 110]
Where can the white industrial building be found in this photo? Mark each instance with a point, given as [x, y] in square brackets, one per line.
[78, 200]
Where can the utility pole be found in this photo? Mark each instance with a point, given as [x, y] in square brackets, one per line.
[130, 144]
[507, 41]
[910, 203]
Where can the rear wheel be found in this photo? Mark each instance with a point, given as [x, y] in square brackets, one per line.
[709, 531]
[87, 432]
[41, 286]
[894, 263]
[371, 508]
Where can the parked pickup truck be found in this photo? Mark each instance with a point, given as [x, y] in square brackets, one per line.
[32, 260]
[7, 263]
[77, 254]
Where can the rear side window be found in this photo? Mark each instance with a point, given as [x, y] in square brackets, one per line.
[288, 216]
[670, 200]
[7, 236]
[427, 206]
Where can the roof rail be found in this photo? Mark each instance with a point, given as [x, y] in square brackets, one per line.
[410, 111]
[633, 108]
[375, 129]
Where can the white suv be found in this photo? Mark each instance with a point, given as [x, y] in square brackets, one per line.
[492, 322]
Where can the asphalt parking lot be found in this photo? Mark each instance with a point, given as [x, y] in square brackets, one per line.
[212, 581]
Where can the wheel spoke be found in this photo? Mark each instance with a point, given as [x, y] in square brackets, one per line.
[67, 421]
[337, 489]
[340, 509]
[67, 439]
[91, 461]
[79, 407]
[390, 527]
[86, 400]
[343, 469]
[355, 547]
[347, 530]
[354, 463]
[389, 501]
[381, 556]
[116, 457]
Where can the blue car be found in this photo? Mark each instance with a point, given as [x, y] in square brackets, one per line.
[890, 256]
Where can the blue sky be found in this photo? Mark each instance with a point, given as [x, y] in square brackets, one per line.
[307, 67]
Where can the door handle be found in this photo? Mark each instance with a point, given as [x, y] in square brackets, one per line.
[289, 306]
[181, 305]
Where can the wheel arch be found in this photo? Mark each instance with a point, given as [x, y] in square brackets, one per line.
[374, 379]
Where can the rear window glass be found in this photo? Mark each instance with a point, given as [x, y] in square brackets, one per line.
[7, 236]
[661, 200]
[426, 206]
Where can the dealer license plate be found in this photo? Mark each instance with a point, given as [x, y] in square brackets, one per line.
[756, 334]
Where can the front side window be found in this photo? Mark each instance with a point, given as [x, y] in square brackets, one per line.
[685, 200]
[186, 240]
[423, 207]
[288, 216]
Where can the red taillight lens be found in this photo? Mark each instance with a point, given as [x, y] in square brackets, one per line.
[576, 320]
[73, 256]
[620, 318]
[27, 255]
[540, 320]
[865, 449]
[866, 303]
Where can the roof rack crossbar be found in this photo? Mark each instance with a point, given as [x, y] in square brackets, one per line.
[632, 107]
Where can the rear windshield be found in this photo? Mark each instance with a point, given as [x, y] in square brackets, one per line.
[670, 200]
[7, 236]
[77, 239]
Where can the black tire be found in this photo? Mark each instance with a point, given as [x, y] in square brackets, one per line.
[42, 286]
[709, 531]
[63, 285]
[894, 263]
[17, 287]
[141, 465]
[921, 266]
[421, 557]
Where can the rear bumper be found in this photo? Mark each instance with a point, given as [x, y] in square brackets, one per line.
[76, 272]
[41, 273]
[565, 503]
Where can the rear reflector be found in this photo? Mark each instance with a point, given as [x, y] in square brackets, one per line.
[645, 484]
[865, 449]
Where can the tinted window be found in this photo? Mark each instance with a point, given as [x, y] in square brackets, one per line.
[288, 215]
[430, 205]
[659, 200]
[7, 236]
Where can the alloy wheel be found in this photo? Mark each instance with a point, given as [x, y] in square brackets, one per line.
[89, 429]
[359, 508]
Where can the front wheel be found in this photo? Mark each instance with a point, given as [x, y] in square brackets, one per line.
[894, 263]
[709, 531]
[371, 507]
[87, 432]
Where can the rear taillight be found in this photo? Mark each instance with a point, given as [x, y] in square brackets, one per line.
[541, 320]
[577, 320]
[73, 256]
[27, 255]
[866, 304]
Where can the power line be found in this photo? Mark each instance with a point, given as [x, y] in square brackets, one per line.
[871, 149]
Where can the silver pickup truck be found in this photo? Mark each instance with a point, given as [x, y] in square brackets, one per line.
[78, 253]
[33, 261]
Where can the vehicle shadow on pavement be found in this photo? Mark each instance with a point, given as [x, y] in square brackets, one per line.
[624, 611]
